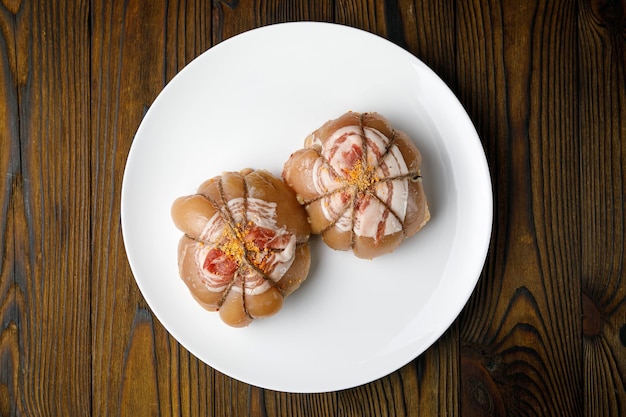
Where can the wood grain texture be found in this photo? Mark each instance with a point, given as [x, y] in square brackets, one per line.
[601, 34]
[517, 68]
[544, 333]
[428, 30]
[11, 297]
[44, 335]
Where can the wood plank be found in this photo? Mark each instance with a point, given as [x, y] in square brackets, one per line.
[11, 205]
[520, 332]
[188, 27]
[602, 59]
[44, 286]
[138, 368]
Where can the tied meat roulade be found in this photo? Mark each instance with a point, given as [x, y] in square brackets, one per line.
[359, 180]
[245, 244]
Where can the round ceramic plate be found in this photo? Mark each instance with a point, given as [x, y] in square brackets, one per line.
[249, 102]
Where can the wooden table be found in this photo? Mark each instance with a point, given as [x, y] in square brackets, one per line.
[543, 334]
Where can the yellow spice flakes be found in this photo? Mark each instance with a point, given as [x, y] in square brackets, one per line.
[235, 245]
[361, 176]
[231, 245]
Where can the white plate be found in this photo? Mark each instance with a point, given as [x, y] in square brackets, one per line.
[250, 102]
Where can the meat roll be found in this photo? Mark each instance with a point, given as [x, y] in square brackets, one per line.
[360, 182]
[245, 244]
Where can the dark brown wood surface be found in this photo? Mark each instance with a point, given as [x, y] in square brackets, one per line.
[544, 333]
